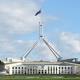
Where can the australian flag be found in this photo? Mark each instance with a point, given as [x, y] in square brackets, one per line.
[38, 12]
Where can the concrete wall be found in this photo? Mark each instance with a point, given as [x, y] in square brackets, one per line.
[40, 69]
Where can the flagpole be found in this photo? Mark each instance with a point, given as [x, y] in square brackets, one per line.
[40, 30]
[40, 25]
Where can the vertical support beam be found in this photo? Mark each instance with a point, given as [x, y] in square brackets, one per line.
[40, 31]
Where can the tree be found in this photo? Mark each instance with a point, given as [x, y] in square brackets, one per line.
[2, 66]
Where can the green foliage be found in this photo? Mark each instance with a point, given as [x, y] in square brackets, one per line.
[2, 65]
[39, 77]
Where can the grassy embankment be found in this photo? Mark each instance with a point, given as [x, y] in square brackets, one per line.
[40, 77]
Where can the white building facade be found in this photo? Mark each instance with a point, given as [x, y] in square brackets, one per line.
[28, 68]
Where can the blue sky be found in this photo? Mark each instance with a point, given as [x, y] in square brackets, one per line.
[19, 27]
[67, 12]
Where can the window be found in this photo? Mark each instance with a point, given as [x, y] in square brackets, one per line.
[45, 72]
[42, 71]
[25, 72]
[53, 70]
[18, 67]
[48, 70]
[36, 71]
[68, 67]
[56, 70]
[30, 71]
[39, 71]
[12, 67]
[59, 67]
[62, 70]
[59, 71]
[22, 71]
[15, 71]
[71, 70]
[15, 67]
[18, 71]
[68, 72]
[12, 71]
[33, 71]
[22, 67]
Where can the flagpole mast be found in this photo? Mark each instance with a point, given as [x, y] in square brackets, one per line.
[40, 25]
[40, 30]
[41, 37]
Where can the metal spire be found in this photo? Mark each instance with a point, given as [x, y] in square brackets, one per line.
[41, 37]
[40, 30]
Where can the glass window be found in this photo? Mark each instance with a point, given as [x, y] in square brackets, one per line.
[56, 70]
[48, 70]
[42, 71]
[71, 70]
[33, 71]
[18, 67]
[39, 71]
[68, 72]
[22, 71]
[22, 67]
[28, 71]
[15, 71]
[12, 71]
[12, 67]
[19, 72]
[15, 67]
[25, 72]
[51, 69]
[68, 67]
[45, 72]
[59, 71]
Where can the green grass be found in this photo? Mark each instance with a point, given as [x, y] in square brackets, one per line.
[41, 77]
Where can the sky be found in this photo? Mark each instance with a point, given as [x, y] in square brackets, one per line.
[19, 28]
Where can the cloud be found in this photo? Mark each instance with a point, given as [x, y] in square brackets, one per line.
[18, 18]
[48, 18]
[6, 47]
[19, 48]
[71, 40]
[39, 2]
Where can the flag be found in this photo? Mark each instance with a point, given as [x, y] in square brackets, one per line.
[38, 12]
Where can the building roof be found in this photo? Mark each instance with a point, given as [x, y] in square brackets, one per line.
[41, 63]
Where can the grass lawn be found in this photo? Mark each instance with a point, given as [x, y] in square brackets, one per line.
[40, 77]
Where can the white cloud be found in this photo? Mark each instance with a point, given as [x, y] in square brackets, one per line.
[72, 40]
[18, 18]
[6, 46]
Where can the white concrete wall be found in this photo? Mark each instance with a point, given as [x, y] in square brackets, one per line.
[40, 69]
